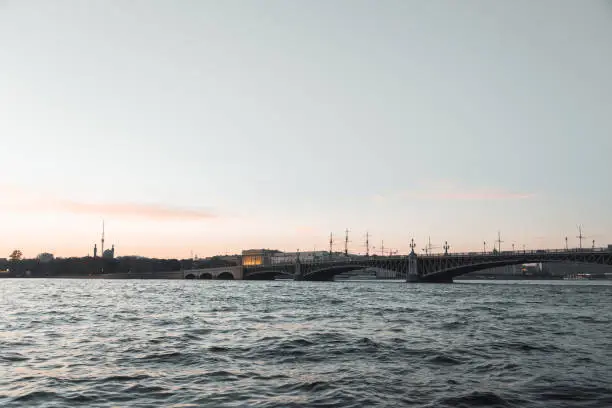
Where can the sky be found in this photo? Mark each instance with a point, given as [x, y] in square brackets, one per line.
[209, 127]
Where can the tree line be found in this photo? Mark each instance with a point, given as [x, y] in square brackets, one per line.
[85, 266]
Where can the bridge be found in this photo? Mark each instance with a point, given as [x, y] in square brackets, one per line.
[222, 273]
[440, 268]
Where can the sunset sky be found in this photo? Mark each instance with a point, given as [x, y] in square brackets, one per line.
[217, 126]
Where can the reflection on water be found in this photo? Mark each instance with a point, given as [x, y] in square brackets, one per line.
[277, 344]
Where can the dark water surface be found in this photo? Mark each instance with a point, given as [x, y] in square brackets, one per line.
[99, 343]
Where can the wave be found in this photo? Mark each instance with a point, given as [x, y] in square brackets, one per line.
[13, 357]
[443, 359]
[474, 399]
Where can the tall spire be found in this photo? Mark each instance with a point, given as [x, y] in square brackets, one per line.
[102, 240]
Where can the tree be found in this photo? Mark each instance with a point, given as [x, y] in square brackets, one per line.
[16, 255]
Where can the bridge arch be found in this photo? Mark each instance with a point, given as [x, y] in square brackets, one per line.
[447, 274]
[190, 276]
[328, 273]
[206, 275]
[225, 276]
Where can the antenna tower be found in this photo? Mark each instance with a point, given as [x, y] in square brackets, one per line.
[331, 244]
[367, 244]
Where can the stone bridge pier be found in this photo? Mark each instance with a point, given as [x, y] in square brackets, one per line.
[298, 276]
[413, 268]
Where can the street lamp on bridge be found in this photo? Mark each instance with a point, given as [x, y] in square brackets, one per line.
[446, 247]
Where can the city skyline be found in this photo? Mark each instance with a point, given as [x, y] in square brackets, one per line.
[269, 125]
[344, 244]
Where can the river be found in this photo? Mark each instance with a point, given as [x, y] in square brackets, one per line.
[148, 343]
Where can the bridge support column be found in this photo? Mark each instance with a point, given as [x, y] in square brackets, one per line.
[298, 272]
[413, 268]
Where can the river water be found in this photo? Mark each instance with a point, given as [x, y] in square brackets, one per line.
[145, 343]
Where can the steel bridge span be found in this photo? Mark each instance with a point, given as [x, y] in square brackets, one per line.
[425, 268]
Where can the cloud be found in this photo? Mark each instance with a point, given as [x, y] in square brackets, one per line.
[471, 195]
[152, 211]
[21, 200]
[448, 191]
[304, 229]
[455, 190]
[378, 198]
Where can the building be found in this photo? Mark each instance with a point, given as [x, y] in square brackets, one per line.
[254, 257]
[106, 254]
[227, 258]
[45, 257]
[109, 253]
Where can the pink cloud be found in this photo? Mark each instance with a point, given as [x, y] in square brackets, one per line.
[476, 195]
[445, 190]
[304, 229]
[456, 190]
[20, 200]
[153, 211]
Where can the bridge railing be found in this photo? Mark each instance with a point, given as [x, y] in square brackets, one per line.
[333, 261]
[522, 252]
